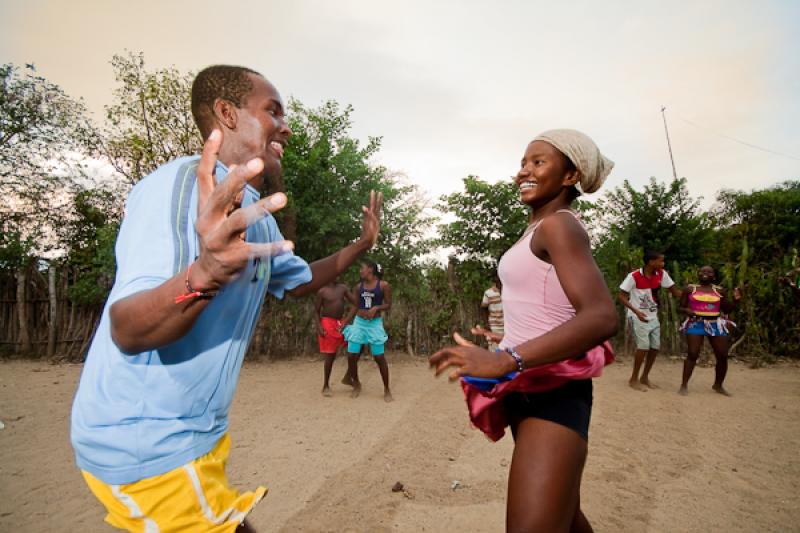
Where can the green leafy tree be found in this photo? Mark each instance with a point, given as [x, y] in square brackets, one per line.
[44, 136]
[90, 236]
[150, 121]
[769, 219]
[489, 219]
[757, 240]
[663, 217]
[328, 176]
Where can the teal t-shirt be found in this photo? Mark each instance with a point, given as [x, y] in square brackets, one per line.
[140, 415]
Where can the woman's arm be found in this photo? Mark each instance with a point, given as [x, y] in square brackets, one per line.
[729, 304]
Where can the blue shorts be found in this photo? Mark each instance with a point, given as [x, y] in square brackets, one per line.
[705, 328]
[362, 332]
[354, 348]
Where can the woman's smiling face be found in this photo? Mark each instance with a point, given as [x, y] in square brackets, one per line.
[543, 174]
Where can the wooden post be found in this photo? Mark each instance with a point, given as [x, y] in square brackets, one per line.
[409, 332]
[52, 327]
[451, 281]
[24, 345]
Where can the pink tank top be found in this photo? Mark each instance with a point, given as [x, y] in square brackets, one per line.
[533, 300]
[533, 304]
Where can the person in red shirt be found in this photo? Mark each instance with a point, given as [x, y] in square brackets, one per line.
[638, 292]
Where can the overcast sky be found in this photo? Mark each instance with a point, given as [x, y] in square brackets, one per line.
[458, 88]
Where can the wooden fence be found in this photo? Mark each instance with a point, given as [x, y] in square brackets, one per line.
[38, 319]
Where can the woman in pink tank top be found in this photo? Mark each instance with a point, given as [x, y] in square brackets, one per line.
[558, 316]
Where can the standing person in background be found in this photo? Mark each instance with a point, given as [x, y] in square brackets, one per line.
[492, 311]
[330, 305]
[374, 298]
[639, 294]
[706, 306]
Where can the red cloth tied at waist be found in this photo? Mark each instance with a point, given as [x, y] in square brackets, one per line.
[486, 409]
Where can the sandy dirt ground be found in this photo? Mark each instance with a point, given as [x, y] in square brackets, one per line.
[657, 461]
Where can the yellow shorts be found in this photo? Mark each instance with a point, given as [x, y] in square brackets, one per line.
[194, 497]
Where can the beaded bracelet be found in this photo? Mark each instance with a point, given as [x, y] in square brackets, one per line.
[517, 358]
[192, 293]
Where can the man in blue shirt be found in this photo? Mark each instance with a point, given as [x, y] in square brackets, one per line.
[197, 251]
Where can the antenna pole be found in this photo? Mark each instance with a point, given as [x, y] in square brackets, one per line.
[669, 145]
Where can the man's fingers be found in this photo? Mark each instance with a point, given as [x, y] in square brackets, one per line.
[224, 195]
[268, 249]
[241, 218]
[379, 205]
[205, 169]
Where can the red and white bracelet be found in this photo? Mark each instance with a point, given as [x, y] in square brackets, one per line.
[193, 293]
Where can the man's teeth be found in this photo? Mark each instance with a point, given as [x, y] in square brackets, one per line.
[526, 185]
[278, 147]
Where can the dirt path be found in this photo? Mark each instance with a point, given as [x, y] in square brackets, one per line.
[657, 461]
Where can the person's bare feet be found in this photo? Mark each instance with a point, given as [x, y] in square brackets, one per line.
[634, 384]
[327, 392]
[684, 390]
[647, 383]
[356, 389]
[720, 389]
[347, 380]
[387, 396]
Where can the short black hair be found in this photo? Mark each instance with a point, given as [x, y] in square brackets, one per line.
[649, 255]
[376, 268]
[226, 82]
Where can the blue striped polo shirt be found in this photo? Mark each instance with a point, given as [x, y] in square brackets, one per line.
[140, 415]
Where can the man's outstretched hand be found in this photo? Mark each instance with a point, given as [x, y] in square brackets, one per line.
[222, 222]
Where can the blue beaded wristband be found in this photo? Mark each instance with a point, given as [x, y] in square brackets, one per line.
[520, 363]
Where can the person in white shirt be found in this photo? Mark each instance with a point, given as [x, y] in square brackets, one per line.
[639, 294]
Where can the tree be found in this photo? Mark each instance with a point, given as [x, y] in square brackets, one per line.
[756, 243]
[662, 217]
[150, 121]
[44, 137]
[489, 219]
[91, 235]
[768, 219]
[328, 176]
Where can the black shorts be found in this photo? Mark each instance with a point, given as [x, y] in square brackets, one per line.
[569, 405]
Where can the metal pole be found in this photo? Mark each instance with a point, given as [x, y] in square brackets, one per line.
[669, 145]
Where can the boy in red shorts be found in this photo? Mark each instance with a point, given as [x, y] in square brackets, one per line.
[330, 306]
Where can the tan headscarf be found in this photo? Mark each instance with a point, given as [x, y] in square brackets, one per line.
[584, 154]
